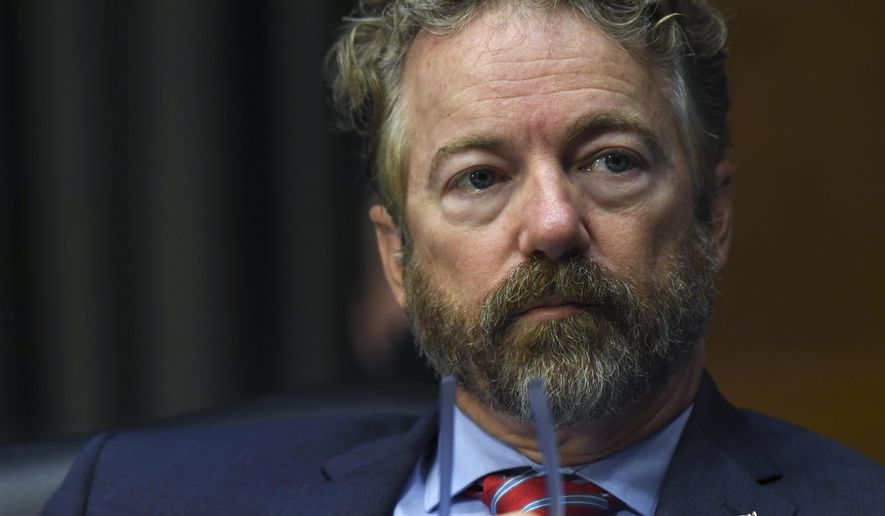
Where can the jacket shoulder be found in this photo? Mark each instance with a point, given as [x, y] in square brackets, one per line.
[733, 461]
[204, 469]
[816, 466]
[795, 447]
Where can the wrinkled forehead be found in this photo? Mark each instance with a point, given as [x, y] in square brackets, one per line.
[509, 41]
[550, 63]
[493, 32]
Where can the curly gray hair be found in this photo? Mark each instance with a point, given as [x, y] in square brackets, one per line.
[683, 38]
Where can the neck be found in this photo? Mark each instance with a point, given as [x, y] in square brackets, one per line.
[589, 442]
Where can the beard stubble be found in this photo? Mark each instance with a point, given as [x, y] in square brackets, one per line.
[623, 344]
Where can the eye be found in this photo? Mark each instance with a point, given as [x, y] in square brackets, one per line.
[615, 162]
[477, 179]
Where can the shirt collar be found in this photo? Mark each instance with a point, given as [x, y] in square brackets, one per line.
[476, 453]
[634, 474]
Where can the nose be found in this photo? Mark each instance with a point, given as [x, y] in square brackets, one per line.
[553, 225]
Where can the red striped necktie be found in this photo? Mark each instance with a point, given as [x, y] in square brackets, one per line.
[527, 491]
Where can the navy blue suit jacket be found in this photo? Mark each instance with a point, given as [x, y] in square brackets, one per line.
[728, 462]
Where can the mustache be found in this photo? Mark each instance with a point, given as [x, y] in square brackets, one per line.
[576, 280]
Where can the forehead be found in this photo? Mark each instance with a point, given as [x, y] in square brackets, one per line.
[508, 44]
[524, 72]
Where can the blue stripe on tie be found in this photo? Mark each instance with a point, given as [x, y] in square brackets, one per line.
[596, 501]
[536, 504]
[587, 500]
[510, 484]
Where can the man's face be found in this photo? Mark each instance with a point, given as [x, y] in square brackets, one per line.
[536, 140]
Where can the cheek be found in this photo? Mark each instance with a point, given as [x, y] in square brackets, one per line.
[467, 263]
[639, 244]
[621, 244]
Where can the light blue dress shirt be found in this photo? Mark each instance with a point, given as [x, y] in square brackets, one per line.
[634, 474]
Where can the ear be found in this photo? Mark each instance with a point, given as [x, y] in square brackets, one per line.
[390, 250]
[720, 231]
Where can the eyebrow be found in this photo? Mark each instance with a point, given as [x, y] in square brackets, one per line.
[595, 125]
[458, 146]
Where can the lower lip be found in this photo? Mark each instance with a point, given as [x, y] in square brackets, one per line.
[547, 313]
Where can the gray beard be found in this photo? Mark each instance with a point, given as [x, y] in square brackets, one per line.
[594, 363]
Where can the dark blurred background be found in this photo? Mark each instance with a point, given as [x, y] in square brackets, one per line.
[181, 229]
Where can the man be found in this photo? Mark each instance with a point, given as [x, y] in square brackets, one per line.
[555, 204]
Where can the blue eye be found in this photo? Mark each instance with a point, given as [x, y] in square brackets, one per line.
[478, 179]
[615, 162]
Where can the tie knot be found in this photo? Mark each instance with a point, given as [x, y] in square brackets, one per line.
[526, 490]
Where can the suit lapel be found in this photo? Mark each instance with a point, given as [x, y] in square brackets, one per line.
[369, 479]
[720, 467]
